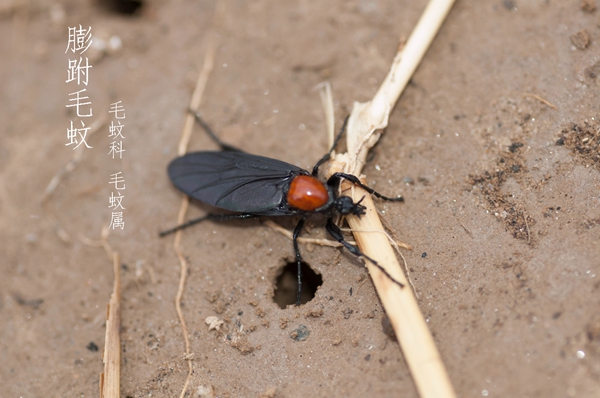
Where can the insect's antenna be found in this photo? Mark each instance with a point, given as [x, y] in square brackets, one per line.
[325, 158]
[211, 134]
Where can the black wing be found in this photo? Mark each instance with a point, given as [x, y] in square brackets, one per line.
[235, 181]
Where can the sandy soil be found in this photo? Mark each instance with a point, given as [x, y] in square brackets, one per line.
[502, 199]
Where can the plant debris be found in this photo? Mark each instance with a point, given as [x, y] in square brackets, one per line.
[583, 140]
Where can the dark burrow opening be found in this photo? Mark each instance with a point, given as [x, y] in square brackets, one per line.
[123, 7]
[286, 285]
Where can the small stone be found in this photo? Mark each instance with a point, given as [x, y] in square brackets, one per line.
[581, 39]
[301, 333]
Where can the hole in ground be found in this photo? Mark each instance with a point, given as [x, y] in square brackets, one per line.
[286, 288]
[122, 7]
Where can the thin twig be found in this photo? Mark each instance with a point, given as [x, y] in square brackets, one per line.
[328, 107]
[465, 228]
[110, 378]
[182, 148]
[103, 242]
[405, 265]
[89, 242]
[182, 278]
[196, 98]
[386, 224]
[537, 97]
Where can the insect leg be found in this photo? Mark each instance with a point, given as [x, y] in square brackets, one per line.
[334, 179]
[336, 233]
[211, 134]
[297, 231]
[213, 217]
[325, 158]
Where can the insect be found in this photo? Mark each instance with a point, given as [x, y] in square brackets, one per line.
[253, 186]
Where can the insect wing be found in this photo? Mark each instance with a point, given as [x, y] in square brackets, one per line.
[235, 181]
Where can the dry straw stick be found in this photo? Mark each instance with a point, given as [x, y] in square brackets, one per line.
[364, 128]
[109, 379]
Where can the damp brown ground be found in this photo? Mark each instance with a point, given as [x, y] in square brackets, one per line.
[494, 145]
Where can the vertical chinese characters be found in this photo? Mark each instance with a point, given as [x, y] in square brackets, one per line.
[115, 132]
[115, 200]
[79, 41]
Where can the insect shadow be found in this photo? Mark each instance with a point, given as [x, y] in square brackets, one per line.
[253, 186]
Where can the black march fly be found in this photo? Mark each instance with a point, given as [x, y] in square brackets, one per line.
[254, 186]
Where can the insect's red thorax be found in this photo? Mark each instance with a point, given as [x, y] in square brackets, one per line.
[307, 193]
